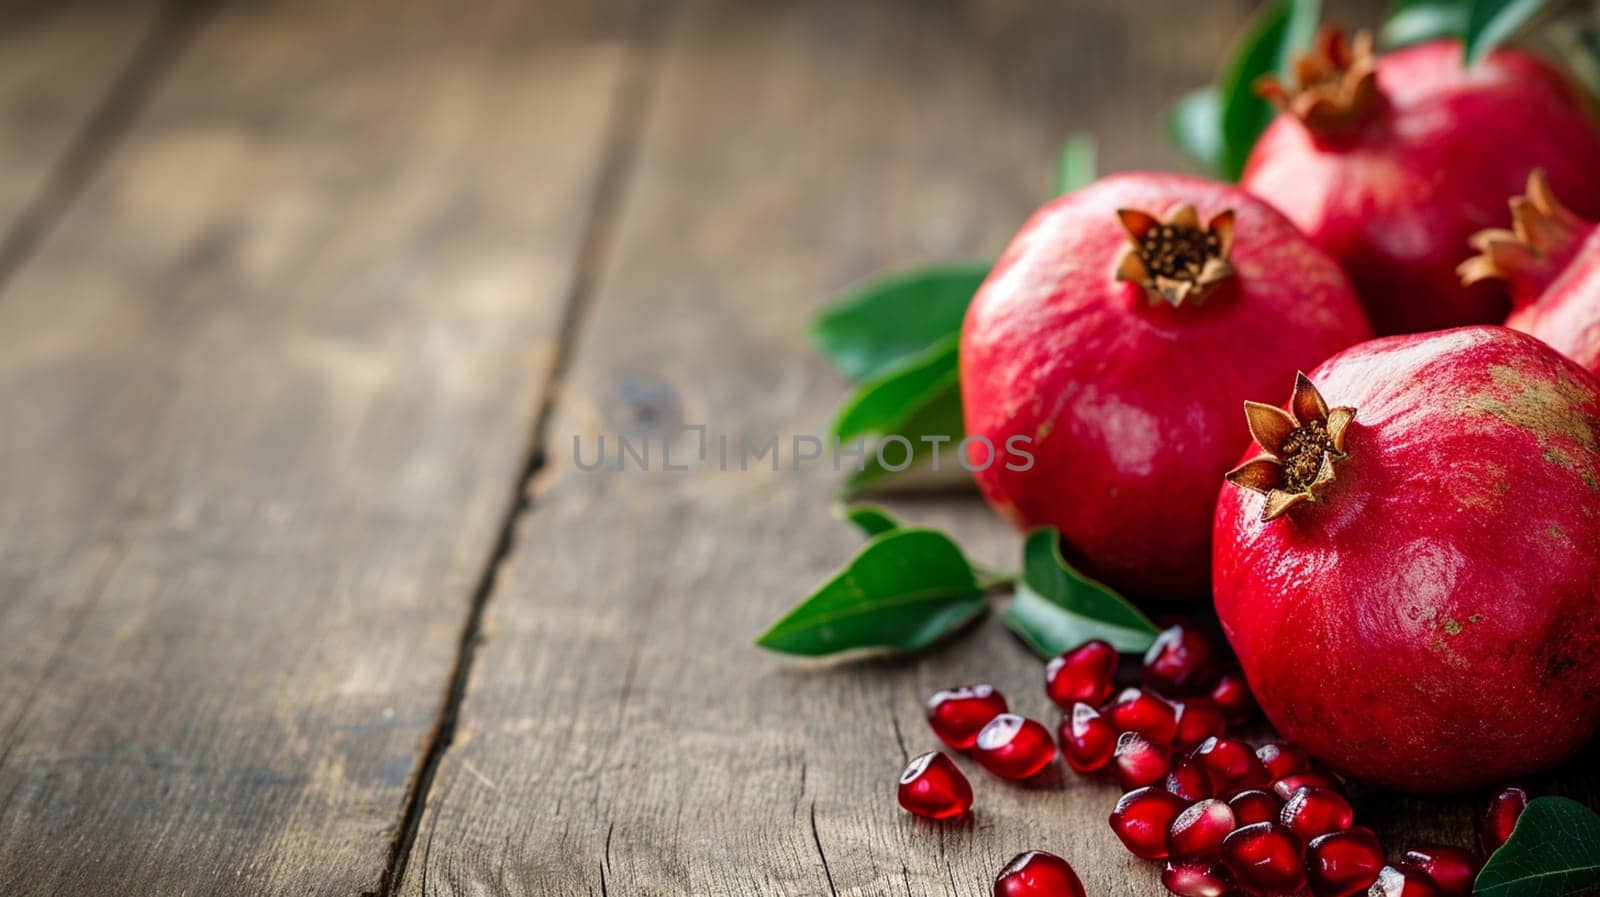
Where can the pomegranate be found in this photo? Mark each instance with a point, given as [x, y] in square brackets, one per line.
[1112, 342]
[1088, 740]
[1232, 696]
[1198, 719]
[1194, 878]
[1038, 874]
[1232, 765]
[957, 715]
[1310, 812]
[1181, 661]
[1505, 808]
[1142, 819]
[1550, 261]
[933, 786]
[1286, 787]
[1199, 830]
[1282, 759]
[1390, 164]
[1411, 578]
[1083, 674]
[1343, 863]
[1265, 857]
[1254, 805]
[1147, 713]
[1394, 882]
[1189, 780]
[1138, 762]
[1451, 868]
[1014, 747]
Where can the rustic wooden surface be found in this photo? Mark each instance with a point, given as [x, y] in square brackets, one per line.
[300, 589]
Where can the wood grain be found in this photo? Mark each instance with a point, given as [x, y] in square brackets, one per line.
[267, 392]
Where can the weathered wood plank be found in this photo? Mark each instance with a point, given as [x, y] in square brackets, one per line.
[267, 392]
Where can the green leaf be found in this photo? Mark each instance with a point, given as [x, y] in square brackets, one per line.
[1274, 36]
[1058, 608]
[1195, 126]
[1553, 851]
[1077, 163]
[886, 398]
[893, 317]
[1415, 21]
[936, 415]
[871, 519]
[904, 590]
[1492, 22]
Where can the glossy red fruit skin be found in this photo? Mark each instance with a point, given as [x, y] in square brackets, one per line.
[1139, 762]
[1394, 882]
[1038, 874]
[1146, 397]
[1310, 812]
[1501, 817]
[1447, 577]
[1232, 696]
[1265, 857]
[1282, 759]
[1088, 740]
[1014, 747]
[1085, 674]
[1199, 830]
[1395, 201]
[1285, 787]
[1198, 719]
[1181, 661]
[933, 786]
[1143, 711]
[1142, 819]
[1189, 780]
[1566, 315]
[1343, 863]
[1253, 806]
[1451, 868]
[1232, 765]
[1194, 878]
[957, 715]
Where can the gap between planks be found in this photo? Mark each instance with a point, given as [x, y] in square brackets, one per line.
[624, 131]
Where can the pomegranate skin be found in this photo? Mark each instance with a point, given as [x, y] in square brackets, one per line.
[1131, 406]
[1395, 200]
[1432, 623]
[1567, 314]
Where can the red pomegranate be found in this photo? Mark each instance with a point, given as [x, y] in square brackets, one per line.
[1411, 577]
[1113, 342]
[1550, 259]
[1390, 164]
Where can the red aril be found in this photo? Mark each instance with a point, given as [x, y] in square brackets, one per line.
[1282, 759]
[1189, 780]
[1391, 163]
[1310, 812]
[1142, 819]
[933, 786]
[1394, 882]
[1453, 869]
[956, 715]
[1083, 674]
[1501, 817]
[1181, 661]
[1231, 764]
[1408, 573]
[1198, 719]
[1143, 711]
[1014, 747]
[1088, 740]
[1038, 874]
[1250, 807]
[1265, 857]
[1194, 878]
[1343, 863]
[1112, 342]
[1199, 830]
[1231, 695]
[1139, 762]
[1285, 787]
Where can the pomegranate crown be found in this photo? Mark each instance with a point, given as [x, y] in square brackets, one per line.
[1335, 83]
[1543, 238]
[1299, 447]
[1176, 260]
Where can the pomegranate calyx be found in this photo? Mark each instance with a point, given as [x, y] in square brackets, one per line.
[1300, 447]
[1176, 260]
[1543, 238]
[1335, 84]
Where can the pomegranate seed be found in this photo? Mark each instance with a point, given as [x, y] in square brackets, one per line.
[1231, 764]
[1145, 712]
[1451, 868]
[1232, 696]
[1088, 739]
[1143, 818]
[1394, 882]
[933, 786]
[1189, 780]
[1265, 856]
[1282, 759]
[1199, 830]
[1038, 874]
[1343, 863]
[1288, 785]
[1310, 812]
[1139, 763]
[1501, 817]
[1198, 719]
[958, 714]
[1194, 878]
[1083, 674]
[1251, 807]
[1014, 747]
[1180, 661]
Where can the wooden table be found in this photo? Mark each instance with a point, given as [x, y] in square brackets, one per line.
[301, 307]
